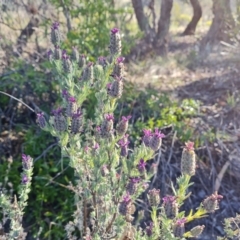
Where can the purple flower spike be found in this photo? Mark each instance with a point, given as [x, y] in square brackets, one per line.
[41, 120]
[120, 59]
[39, 115]
[123, 143]
[25, 158]
[135, 179]
[147, 133]
[27, 162]
[158, 133]
[65, 94]
[64, 54]
[147, 137]
[189, 146]
[181, 221]
[127, 198]
[77, 114]
[90, 64]
[55, 25]
[125, 119]
[114, 30]
[24, 179]
[49, 53]
[141, 166]
[57, 111]
[168, 199]
[149, 229]
[72, 99]
[109, 117]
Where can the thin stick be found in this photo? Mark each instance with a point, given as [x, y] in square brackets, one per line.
[17, 100]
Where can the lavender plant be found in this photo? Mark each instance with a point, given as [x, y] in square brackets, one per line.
[15, 210]
[109, 176]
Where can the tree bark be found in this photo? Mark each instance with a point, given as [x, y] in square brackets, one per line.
[27, 32]
[141, 17]
[197, 14]
[238, 9]
[223, 21]
[161, 39]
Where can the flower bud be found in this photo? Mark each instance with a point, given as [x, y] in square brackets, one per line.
[107, 125]
[116, 88]
[27, 162]
[156, 140]
[188, 161]
[179, 228]
[60, 123]
[67, 64]
[115, 46]
[141, 166]
[88, 73]
[75, 54]
[132, 185]
[123, 126]
[57, 54]
[50, 55]
[125, 206]
[102, 61]
[149, 229]
[154, 197]
[25, 179]
[98, 72]
[82, 61]
[118, 69]
[210, 204]
[55, 34]
[170, 206]
[76, 124]
[71, 107]
[147, 137]
[196, 231]
[124, 146]
[41, 120]
[65, 94]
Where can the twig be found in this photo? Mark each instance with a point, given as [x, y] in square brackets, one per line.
[67, 16]
[17, 100]
[45, 151]
[224, 168]
[157, 164]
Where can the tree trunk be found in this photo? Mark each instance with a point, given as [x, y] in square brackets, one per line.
[161, 40]
[223, 21]
[27, 32]
[238, 9]
[141, 17]
[197, 14]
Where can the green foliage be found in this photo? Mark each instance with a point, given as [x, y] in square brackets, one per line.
[152, 109]
[91, 21]
[50, 201]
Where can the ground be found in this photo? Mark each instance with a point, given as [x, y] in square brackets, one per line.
[214, 80]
